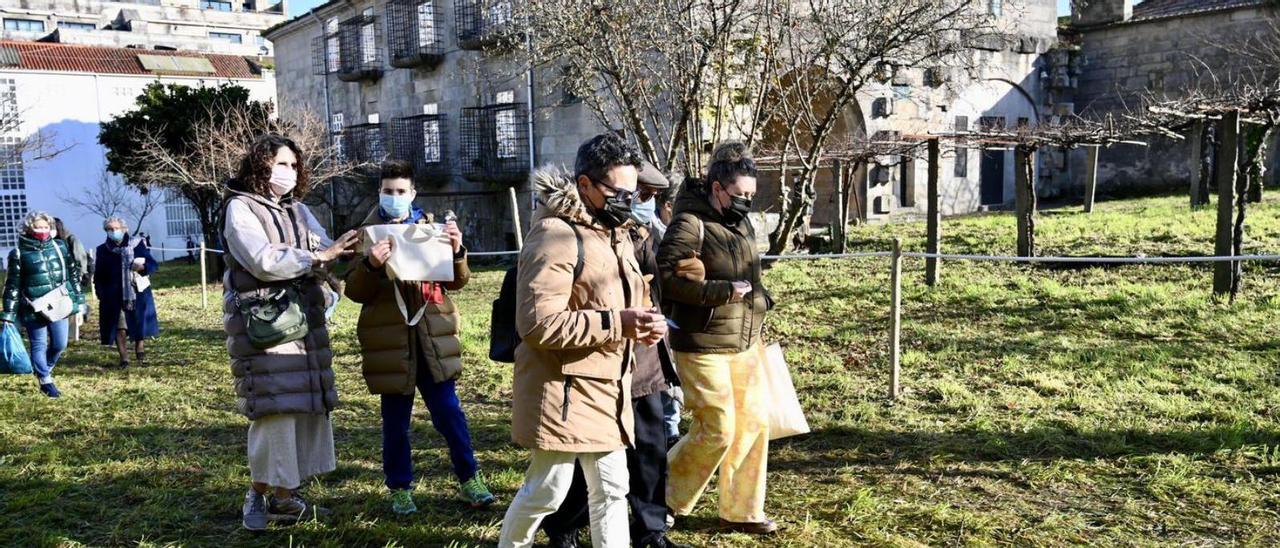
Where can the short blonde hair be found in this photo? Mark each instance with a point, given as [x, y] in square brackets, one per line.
[29, 223]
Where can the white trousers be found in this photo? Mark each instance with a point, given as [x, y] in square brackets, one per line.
[546, 484]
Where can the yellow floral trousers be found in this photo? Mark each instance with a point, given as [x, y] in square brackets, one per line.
[726, 396]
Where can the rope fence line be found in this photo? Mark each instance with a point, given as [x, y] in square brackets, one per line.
[895, 255]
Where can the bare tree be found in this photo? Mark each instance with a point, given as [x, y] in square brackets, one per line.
[200, 175]
[643, 66]
[108, 197]
[830, 52]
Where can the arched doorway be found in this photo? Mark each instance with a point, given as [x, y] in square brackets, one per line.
[850, 126]
[990, 104]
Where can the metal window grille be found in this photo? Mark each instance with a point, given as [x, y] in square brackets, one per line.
[422, 141]
[495, 143]
[482, 23]
[414, 33]
[364, 143]
[360, 57]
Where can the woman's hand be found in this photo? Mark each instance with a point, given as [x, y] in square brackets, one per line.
[380, 253]
[455, 236]
[340, 248]
[740, 290]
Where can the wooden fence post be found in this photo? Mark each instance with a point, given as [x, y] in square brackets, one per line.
[204, 278]
[934, 225]
[1228, 151]
[895, 321]
[1091, 178]
[515, 218]
[1025, 200]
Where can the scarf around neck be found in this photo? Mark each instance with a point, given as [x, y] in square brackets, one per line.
[125, 250]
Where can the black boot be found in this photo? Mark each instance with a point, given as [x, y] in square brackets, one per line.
[564, 540]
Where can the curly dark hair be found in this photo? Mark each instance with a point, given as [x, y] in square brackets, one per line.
[602, 153]
[254, 175]
[396, 169]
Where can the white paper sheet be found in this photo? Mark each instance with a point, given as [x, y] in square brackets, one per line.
[420, 252]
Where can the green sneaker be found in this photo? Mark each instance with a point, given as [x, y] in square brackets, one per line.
[402, 502]
[474, 492]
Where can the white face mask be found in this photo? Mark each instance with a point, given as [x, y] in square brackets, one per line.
[283, 179]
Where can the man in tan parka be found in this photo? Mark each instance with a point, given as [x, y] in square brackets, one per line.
[578, 326]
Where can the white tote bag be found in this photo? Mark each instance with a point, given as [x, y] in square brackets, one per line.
[786, 418]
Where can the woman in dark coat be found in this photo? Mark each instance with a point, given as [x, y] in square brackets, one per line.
[123, 311]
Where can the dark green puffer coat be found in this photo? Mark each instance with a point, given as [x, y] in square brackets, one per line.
[38, 272]
[708, 323]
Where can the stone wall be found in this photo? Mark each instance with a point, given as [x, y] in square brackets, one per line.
[463, 79]
[1126, 61]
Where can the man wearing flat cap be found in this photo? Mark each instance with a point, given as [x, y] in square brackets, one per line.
[654, 370]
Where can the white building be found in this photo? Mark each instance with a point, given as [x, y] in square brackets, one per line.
[212, 26]
[69, 90]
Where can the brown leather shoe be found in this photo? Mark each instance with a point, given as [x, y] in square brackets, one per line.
[766, 527]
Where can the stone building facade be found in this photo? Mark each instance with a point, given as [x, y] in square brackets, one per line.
[410, 78]
[395, 75]
[231, 27]
[1159, 48]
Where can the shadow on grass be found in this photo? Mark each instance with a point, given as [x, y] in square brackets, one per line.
[834, 447]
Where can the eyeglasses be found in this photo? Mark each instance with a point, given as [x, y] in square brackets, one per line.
[623, 195]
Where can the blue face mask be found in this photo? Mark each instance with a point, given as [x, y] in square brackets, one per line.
[395, 207]
[116, 235]
[644, 211]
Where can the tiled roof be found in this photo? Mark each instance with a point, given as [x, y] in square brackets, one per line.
[111, 60]
[1160, 9]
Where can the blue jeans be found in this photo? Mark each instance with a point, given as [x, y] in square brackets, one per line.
[448, 419]
[48, 340]
[671, 414]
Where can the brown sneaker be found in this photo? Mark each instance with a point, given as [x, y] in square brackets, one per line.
[766, 527]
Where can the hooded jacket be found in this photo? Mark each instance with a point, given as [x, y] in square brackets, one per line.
[389, 359]
[572, 381]
[708, 321]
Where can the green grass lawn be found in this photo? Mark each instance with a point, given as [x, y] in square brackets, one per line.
[1042, 406]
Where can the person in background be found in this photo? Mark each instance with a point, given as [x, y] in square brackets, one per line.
[125, 313]
[711, 278]
[191, 250]
[673, 396]
[397, 357]
[277, 252]
[647, 459]
[39, 265]
[572, 379]
[85, 261]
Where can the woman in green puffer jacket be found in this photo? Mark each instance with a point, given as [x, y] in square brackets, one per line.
[42, 271]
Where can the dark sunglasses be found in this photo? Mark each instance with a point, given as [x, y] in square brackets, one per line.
[622, 195]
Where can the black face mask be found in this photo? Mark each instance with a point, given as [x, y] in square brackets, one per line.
[738, 209]
[616, 210]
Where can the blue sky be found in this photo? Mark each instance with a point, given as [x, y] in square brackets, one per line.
[299, 7]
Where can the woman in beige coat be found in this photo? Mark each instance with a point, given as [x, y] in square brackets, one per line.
[572, 398]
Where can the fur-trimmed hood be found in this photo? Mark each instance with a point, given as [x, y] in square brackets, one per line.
[557, 192]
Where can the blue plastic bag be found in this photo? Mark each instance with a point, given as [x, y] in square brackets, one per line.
[13, 353]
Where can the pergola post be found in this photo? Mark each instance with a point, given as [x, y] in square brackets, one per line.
[1228, 151]
[1199, 190]
[932, 265]
[1091, 178]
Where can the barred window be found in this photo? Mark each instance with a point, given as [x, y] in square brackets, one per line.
[431, 141]
[13, 208]
[426, 24]
[13, 174]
